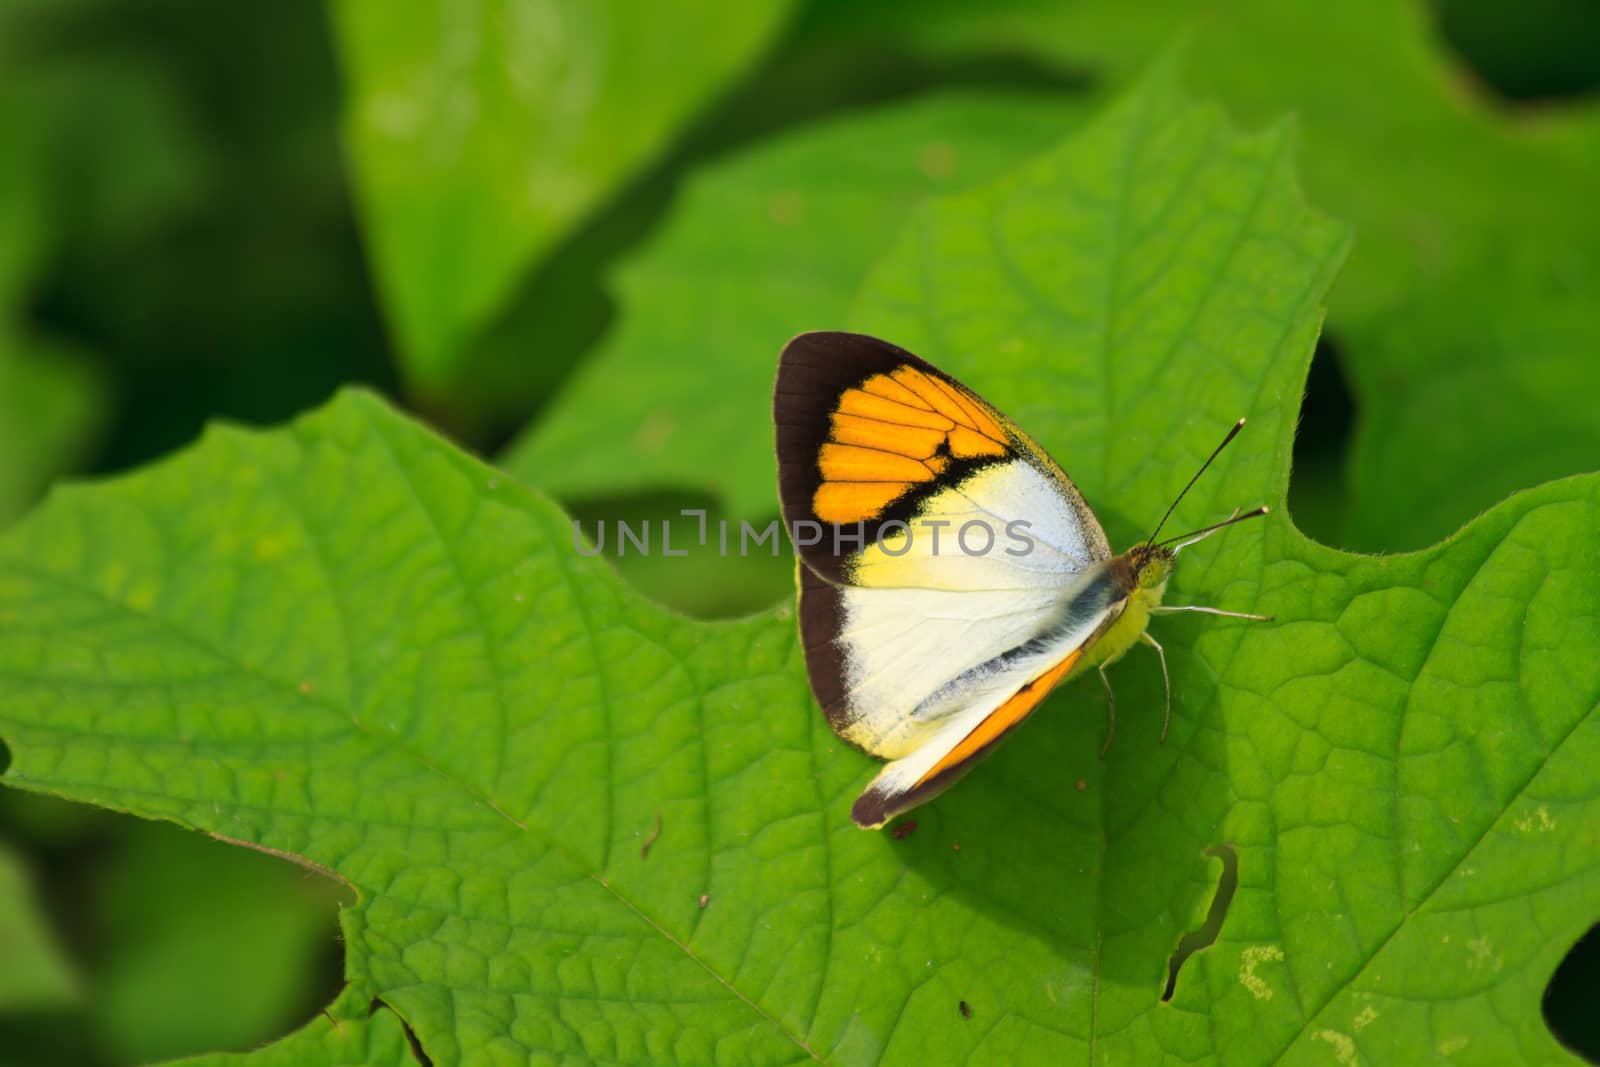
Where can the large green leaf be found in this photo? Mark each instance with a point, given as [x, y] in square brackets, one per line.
[480, 133]
[1444, 190]
[1472, 393]
[349, 642]
[766, 245]
[1432, 175]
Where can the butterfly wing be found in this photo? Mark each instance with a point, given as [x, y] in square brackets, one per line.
[924, 648]
[869, 434]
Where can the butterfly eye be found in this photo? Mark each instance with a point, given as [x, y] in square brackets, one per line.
[1156, 568]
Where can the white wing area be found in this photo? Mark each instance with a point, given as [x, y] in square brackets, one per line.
[912, 659]
[1006, 528]
[927, 607]
[1022, 491]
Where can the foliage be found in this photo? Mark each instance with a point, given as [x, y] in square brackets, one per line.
[480, 136]
[763, 246]
[49, 399]
[347, 642]
[1462, 212]
[36, 975]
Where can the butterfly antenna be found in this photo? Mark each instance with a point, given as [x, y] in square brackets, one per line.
[1204, 532]
[1177, 500]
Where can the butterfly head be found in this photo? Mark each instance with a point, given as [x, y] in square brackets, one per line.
[1149, 565]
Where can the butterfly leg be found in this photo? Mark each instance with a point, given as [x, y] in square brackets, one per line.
[1166, 679]
[1173, 609]
[1111, 708]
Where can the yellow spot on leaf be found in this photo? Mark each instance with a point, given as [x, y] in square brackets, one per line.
[1344, 1049]
[1253, 956]
[1536, 821]
[1483, 955]
[1452, 1045]
[1365, 1018]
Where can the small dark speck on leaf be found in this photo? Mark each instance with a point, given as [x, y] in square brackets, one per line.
[1082, 785]
[904, 830]
[966, 1011]
[955, 846]
[644, 850]
[705, 898]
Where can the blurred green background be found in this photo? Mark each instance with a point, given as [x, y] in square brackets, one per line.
[214, 212]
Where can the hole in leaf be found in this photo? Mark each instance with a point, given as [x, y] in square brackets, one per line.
[1571, 996]
[160, 923]
[1540, 50]
[1321, 442]
[1206, 936]
[731, 573]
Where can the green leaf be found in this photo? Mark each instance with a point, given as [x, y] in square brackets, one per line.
[108, 132]
[36, 974]
[480, 134]
[1447, 192]
[181, 918]
[1470, 394]
[773, 242]
[1431, 176]
[348, 641]
[1437, 187]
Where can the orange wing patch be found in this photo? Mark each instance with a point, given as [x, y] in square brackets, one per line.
[892, 432]
[1003, 718]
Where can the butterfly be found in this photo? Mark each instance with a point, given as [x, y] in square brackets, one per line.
[949, 572]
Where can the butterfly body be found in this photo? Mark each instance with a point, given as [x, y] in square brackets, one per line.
[1143, 586]
[950, 574]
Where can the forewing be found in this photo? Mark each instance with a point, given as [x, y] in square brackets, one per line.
[871, 437]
